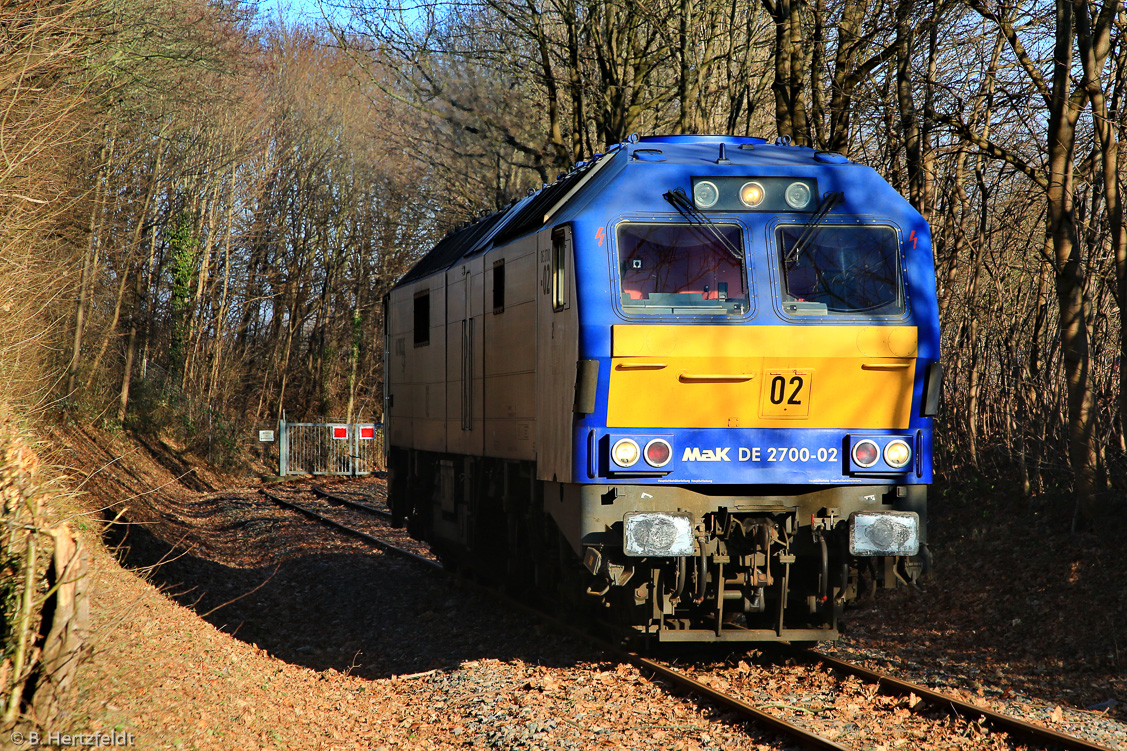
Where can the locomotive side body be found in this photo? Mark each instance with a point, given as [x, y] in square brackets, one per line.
[691, 382]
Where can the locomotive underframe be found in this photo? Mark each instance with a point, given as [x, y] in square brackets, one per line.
[768, 563]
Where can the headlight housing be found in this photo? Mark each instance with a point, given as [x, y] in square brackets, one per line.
[706, 194]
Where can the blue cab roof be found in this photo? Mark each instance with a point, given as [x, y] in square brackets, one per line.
[530, 213]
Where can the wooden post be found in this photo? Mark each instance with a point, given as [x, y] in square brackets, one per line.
[65, 642]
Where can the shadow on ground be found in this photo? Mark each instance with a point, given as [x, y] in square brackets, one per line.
[1016, 601]
[350, 609]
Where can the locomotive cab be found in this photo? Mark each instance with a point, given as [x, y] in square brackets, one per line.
[702, 399]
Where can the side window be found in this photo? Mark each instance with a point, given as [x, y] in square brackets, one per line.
[422, 318]
[561, 246]
[499, 286]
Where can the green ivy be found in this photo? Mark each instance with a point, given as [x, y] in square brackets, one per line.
[184, 252]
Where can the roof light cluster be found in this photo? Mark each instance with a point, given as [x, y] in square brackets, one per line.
[758, 194]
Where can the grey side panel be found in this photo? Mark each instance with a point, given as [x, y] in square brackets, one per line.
[427, 368]
[476, 363]
[586, 387]
[457, 330]
[464, 353]
[557, 338]
[417, 372]
[398, 392]
[509, 365]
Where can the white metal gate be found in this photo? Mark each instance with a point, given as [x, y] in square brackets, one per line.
[330, 448]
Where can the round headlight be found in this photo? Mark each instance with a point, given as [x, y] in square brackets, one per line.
[751, 195]
[798, 195]
[706, 194]
[897, 453]
[658, 452]
[865, 453]
[625, 452]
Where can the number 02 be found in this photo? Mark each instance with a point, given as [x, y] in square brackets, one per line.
[778, 389]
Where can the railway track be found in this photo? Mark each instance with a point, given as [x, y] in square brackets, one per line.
[805, 737]
[338, 498]
[346, 529]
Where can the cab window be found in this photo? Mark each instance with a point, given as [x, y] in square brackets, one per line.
[840, 269]
[682, 269]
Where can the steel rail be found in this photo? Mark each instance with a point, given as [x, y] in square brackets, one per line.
[349, 502]
[370, 539]
[741, 708]
[798, 733]
[1012, 724]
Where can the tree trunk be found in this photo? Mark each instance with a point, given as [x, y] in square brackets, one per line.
[908, 120]
[790, 58]
[110, 330]
[1065, 107]
[89, 260]
[1094, 43]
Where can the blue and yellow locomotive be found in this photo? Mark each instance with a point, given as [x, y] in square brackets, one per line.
[691, 382]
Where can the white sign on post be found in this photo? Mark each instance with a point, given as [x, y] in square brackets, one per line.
[266, 436]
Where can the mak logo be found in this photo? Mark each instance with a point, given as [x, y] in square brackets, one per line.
[706, 455]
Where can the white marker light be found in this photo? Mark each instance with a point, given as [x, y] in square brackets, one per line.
[897, 453]
[625, 452]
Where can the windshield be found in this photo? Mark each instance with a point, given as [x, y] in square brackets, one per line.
[840, 269]
[681, 268]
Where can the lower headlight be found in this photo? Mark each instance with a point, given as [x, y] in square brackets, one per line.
[884, 533]
[625, 452]
[657, 534]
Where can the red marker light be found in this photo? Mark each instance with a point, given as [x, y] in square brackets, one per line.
[865, 453]
[658, 452]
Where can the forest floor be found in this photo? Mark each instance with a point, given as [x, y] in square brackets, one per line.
[221, 622]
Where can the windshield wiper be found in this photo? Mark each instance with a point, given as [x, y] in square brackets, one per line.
[831, 199]
[682, 203]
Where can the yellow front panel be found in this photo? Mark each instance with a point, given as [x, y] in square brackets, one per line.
[849, 377]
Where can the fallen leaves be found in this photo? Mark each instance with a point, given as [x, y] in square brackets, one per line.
[544, 683]
[492, 696]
